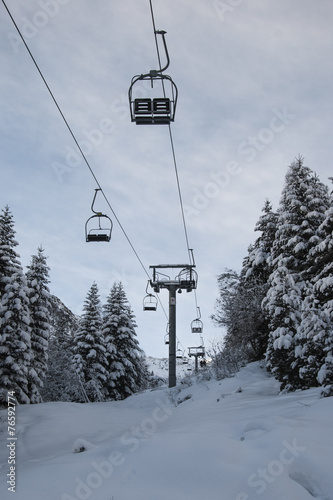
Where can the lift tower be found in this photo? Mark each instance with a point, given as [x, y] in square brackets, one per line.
[186, 279]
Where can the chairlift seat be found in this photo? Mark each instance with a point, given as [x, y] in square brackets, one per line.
[149, 307]
[152, 120]
[98, 237]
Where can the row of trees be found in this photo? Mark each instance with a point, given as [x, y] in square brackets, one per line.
[280, 305]
[46, 353]
[24, 327]
[102, 360]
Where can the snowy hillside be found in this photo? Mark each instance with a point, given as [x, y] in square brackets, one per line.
[160, 367]
[237, 439]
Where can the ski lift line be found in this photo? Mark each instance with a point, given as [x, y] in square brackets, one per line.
[74, 138]
[190, 252]
[171, 137]
[173, 151]
[156, 43]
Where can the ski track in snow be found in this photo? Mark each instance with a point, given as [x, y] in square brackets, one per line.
[235, 439]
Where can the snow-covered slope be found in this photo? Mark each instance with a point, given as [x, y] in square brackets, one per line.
[237, 439]
[160, 367]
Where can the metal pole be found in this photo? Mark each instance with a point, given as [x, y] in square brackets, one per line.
[172, 335]
[196, 363]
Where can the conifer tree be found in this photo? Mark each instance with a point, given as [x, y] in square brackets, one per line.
[89, 349]
[126, 366]
[301, 210]
[239, 305]
[309, 348]
[61, 383]
[323, 300]
[255, 274]
[39, 294]
[15, 332]
[259, 258]
[9, 259]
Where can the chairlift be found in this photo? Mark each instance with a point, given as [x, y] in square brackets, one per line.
[149, 301]
[197, 351]
[179, 353]
[99, 226]
[197, 325]
[166, 336]
[154, 110]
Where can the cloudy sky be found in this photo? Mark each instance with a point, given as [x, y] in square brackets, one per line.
[255, 91]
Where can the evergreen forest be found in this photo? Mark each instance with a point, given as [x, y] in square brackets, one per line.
[277, 308]
[49, 354]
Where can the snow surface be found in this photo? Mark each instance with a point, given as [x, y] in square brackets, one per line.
[235, 439]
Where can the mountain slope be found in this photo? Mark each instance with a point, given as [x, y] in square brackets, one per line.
[237, 439]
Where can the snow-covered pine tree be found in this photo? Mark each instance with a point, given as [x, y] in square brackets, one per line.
[39, 298]
[126, 365]
[15, 340]
[89, 349]
[255, 276]
[9, 259]
[239, 306]
[283, 308]
[323, 299]
[309, 348]
[61, 383]
[299, 215]
[259, 258]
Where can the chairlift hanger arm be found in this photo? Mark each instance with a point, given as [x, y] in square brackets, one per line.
[155, 72]
[93, 202]
[163, 33]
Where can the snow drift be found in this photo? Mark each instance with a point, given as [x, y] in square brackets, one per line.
[235, 439]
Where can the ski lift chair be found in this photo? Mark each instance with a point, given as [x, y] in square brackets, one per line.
[196, 351]
[166, 336]
[150, 303]
[196, 326]
[99, 226]
[157, 110]
[154, 110]
[179, 353]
